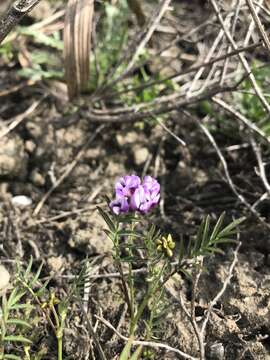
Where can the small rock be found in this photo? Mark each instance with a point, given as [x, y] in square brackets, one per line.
[21, 201]
[56, 263]
[4, 279]
[140, 155]
[216, 352]
[128, 138]
[115, 169]
[35, 129]
[200, 176]
[13, 159]
[30, 146]
[36, 178]
[95, 153]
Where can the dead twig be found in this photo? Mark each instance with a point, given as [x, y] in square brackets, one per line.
[258, 24]
[20, 118]
[181, 73]
[240, 197]
[195, 282]
[146, 343]
[177, 102]
[92, 332]
[261, 165]
[17, 88]
[177, 138]
[242, 58]
[243, 119]
[156, 19]
[222, 290]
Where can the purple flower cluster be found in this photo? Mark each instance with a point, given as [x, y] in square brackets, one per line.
[132, 194]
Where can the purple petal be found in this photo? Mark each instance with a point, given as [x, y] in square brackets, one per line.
[146, 207]
[119, 205]
[124, 205]
[137, 198]
[151, 184]
[115, 207]
[126, 185]
[155, 199]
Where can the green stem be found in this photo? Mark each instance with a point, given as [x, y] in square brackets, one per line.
[120, 269]
[125, 289]
[59, 335]
[151, 290]
[60, 346]
[130, 277]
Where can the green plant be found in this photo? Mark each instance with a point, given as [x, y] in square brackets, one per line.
[249, 104]
[127, 229]
[26, 307]
[19, 316]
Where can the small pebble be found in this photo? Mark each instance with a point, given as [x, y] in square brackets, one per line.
[216, 351]
[21, 201]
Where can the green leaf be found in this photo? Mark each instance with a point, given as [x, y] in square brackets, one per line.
[12, 357]
[107, 219]
[19, 322]
[212, 250]
[128, 219]
[14, 297]
[205, 237]
[129, 233]
[43, 287]
[41, 38]
[17, 338]
[136, 355]
[23, 306]
[228, 229]
[36, 277]
[226, 241]
[217, 227]
[199, 238]
[189, 248]
[126, 351]
[29, 267]
[110, 234]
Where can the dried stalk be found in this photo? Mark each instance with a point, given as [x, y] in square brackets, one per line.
[77, 42]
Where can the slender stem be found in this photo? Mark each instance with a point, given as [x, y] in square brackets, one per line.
[60, 347]
[151, 290]
[120, 269]
[125, 288]
[60, 334]
[130, 277]
[196, 277]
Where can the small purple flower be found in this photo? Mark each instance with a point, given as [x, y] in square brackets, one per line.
[132, 195]
[146, 196]
[119, 206]
[126, 185]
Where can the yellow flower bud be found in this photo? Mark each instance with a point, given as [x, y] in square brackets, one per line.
[166, 245]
